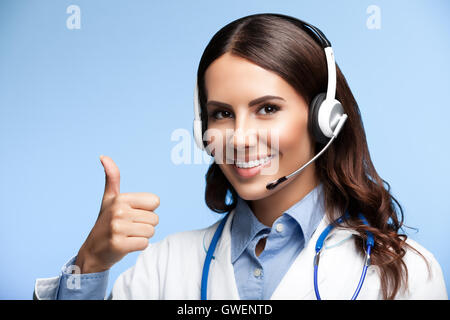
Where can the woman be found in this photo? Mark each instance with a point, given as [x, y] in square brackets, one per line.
[269, 237]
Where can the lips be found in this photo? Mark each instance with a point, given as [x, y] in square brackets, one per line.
[251, 168]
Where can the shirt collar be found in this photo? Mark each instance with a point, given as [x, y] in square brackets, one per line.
[245, 226]
[307, 212]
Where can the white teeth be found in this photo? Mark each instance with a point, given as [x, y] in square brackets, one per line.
[253, 163]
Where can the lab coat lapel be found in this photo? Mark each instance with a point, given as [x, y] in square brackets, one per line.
[339, 269]
[298, 282]
[222, 283]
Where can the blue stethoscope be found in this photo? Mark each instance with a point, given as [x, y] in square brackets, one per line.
[319, 246]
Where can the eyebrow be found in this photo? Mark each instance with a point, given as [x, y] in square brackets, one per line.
[251, 103]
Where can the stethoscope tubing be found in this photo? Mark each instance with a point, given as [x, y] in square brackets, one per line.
[319, 246]
[209, 257]
[361, 279]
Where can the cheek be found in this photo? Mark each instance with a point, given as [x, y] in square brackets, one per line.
[215, 138]
[293, 135]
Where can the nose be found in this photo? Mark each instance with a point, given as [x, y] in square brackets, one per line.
[244, 136]
[242, 139]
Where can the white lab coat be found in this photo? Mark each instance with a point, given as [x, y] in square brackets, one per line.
[172, 269]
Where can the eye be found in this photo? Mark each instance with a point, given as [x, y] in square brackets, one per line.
[268, 109]
[220, 114]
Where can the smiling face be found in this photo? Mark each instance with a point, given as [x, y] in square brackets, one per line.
[254, 128]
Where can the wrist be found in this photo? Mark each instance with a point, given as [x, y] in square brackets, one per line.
[87, 263]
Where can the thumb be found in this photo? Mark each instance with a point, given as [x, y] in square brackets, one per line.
[112, 177]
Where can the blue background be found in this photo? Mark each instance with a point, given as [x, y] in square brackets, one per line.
[124, 82]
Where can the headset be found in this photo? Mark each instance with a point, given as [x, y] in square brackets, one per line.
[326, 115]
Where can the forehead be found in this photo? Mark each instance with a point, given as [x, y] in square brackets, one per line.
[231, 76]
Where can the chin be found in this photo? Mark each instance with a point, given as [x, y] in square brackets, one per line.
[254, 191]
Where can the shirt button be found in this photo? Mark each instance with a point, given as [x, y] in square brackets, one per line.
[279, 227]
[257, 272]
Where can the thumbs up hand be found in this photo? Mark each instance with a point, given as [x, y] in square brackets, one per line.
[125, 223]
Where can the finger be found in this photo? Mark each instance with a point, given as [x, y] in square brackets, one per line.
[142, 200]
[132, 229]
[131, 244]
[142, 216]
[112, 177]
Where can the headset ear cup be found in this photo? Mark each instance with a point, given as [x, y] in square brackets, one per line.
[313, 119]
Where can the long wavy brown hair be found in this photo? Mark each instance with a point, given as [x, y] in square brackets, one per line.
[281, 44]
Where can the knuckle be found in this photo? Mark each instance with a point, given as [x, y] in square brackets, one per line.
[119, 199]
[153, 218]
[115, 226]
[156, 200]
[118, 211]
[114, 242]
[142, 244]
[150, 230]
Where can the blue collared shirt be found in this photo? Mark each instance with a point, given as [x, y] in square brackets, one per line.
[258, 276]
